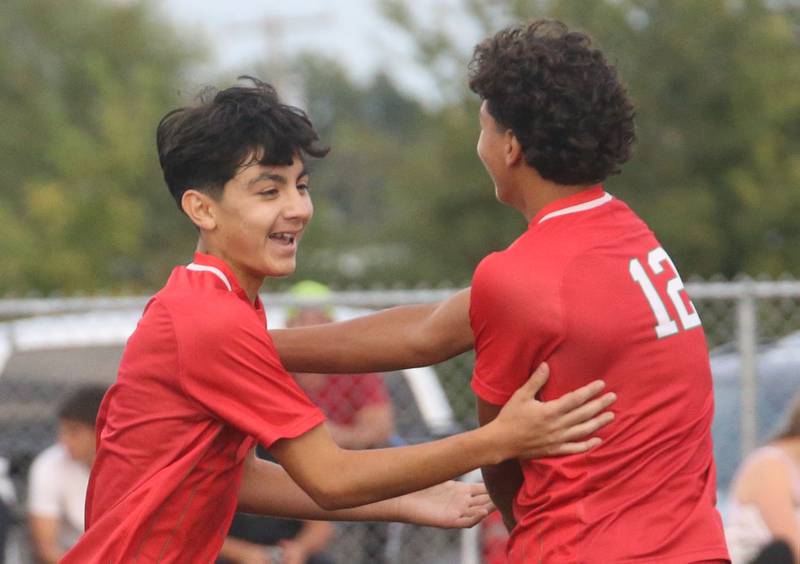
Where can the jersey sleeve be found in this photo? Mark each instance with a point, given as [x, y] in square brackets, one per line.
[231, 367]
[516, 321]
[43, 486]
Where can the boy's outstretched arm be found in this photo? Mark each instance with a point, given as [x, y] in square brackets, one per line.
[268, 490]
[525, 428]
[392, 339]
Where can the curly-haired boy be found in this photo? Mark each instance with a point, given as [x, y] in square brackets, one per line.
[586, 287]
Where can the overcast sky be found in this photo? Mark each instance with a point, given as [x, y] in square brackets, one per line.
[242, 32]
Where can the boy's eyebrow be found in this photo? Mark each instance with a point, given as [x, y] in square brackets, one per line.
[275, 177]
[279, 178]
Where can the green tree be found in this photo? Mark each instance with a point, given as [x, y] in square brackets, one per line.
[82, 204]
[369, 128]
[717, 87]
[402, 198]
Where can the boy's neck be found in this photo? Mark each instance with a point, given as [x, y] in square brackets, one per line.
[251, 285]
[536, 192]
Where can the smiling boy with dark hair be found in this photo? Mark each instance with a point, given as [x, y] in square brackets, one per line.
[200, 382]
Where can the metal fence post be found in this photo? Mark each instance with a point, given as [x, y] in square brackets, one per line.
[470, 538]
[747, 329]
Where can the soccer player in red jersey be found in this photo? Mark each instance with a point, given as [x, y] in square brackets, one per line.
[200, 382]
[586, 287]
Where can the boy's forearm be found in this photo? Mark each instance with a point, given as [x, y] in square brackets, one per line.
[392, 339]
[524, 427]
[374, 343]
[335, 478]
[363, 477]
[284, 498]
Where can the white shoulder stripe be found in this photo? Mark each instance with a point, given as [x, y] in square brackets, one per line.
[605, 198]
[213, 270]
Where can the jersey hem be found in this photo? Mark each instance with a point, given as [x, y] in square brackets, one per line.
[717, 553]
[293, 431]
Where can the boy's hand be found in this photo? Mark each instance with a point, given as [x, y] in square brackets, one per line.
[528, 428]
[448, 505]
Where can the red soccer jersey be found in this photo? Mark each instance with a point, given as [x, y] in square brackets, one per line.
[199, 384]
[589, 289]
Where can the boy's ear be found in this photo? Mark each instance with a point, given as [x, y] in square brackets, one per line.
[513, 150]
[199, 207]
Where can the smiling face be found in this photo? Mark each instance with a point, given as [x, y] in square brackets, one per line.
[256, 224]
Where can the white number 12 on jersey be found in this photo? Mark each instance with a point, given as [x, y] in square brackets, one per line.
[665, 326]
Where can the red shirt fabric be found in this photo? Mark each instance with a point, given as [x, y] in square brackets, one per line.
[588, 288]
[342, 396]
[199, 384]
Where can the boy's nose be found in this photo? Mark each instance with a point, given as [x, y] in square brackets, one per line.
[299, 207]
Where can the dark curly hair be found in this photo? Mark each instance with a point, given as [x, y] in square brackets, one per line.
[560, 97]
[203, 146]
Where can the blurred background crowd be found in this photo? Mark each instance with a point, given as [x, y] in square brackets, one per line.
[404, 210]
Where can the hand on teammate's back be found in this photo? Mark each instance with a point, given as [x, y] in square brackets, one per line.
[534, 429]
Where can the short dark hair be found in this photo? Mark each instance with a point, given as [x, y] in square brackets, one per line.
[561, 98]
[203, 146]
[82, 404]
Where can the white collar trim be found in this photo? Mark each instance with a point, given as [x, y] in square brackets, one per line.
[213, 270]
[604, 199]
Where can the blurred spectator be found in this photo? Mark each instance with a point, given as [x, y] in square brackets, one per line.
[357, 405]
[764, 525]
[59, 476]
[359, 416]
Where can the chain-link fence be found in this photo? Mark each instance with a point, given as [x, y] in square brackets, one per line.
[49, 347]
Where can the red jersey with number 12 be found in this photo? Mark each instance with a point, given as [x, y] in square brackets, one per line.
[589, 289]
